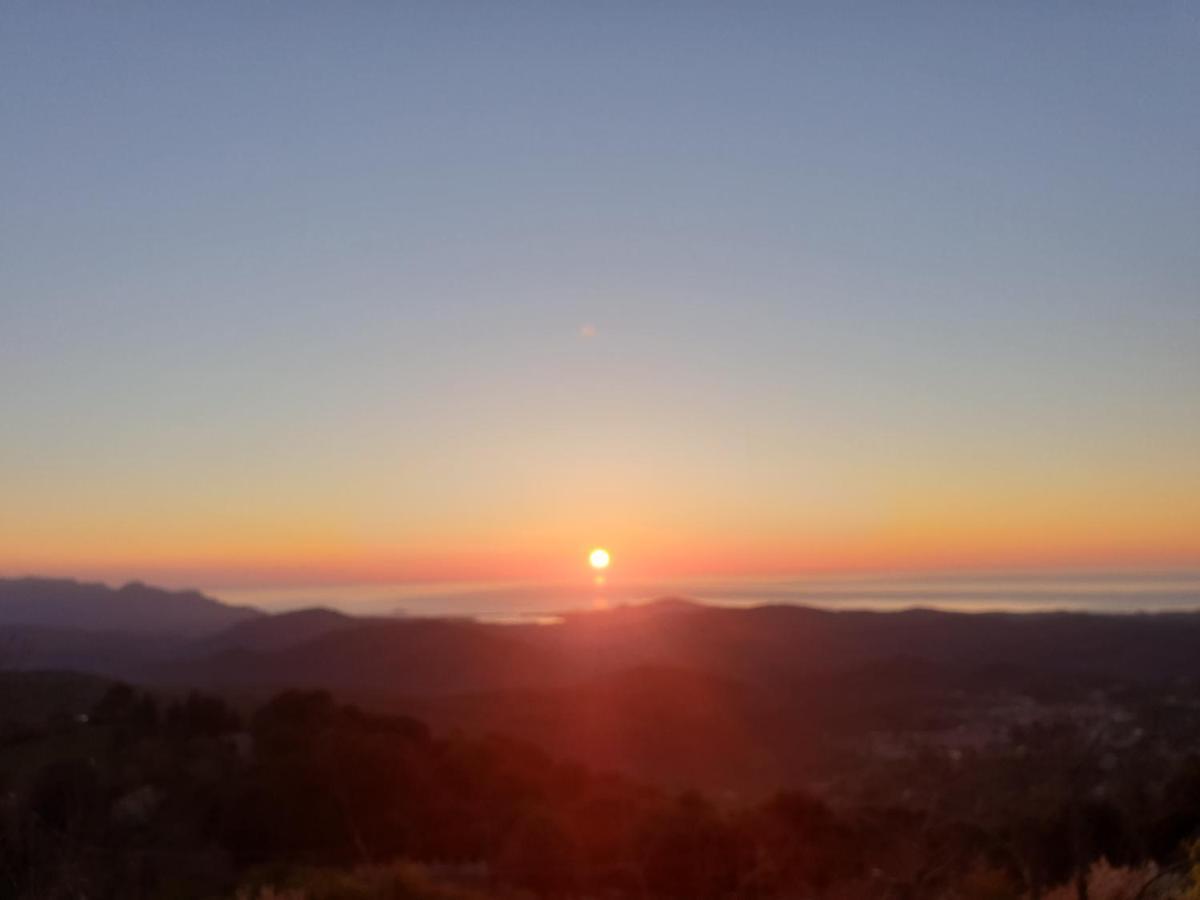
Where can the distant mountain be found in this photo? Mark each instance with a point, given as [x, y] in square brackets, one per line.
[196, 639]
[771, 647]
[774, 644]
[132, 609]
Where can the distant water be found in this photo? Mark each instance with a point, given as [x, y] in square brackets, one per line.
[1098, 591]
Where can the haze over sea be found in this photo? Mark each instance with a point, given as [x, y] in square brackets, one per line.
[1070, 589]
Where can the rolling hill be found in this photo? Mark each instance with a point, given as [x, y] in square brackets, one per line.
[672, 691]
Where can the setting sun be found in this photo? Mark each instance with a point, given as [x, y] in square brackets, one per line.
[599, 558]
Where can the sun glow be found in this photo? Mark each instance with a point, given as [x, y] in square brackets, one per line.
[599, 558]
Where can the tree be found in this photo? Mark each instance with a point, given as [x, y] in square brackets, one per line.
[689, 851]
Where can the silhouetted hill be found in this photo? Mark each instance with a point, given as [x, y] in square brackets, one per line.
[421, 656]
[275, 632]
[769, 647]
[672, 691]
[134, 608]
[671, 726]
[767, 643]
[117, 654]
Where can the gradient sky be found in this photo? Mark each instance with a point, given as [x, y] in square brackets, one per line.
[302, 291]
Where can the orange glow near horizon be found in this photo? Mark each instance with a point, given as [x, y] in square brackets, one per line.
[666, 527]
[647, 556]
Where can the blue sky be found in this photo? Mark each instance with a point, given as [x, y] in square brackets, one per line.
[328, 264]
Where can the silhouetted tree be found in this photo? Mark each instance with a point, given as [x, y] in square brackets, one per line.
[201, 715]
[689, 851]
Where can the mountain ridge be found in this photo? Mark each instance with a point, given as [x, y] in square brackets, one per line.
[132, 608]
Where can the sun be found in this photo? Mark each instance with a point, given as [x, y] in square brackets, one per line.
[599, 558]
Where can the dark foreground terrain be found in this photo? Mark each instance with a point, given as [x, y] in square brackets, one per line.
[670, 750]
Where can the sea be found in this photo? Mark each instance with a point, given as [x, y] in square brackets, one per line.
[1104, 591]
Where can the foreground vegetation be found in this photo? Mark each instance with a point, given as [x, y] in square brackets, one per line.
[306, 798]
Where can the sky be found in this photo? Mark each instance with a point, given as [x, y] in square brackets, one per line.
[312, 292]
